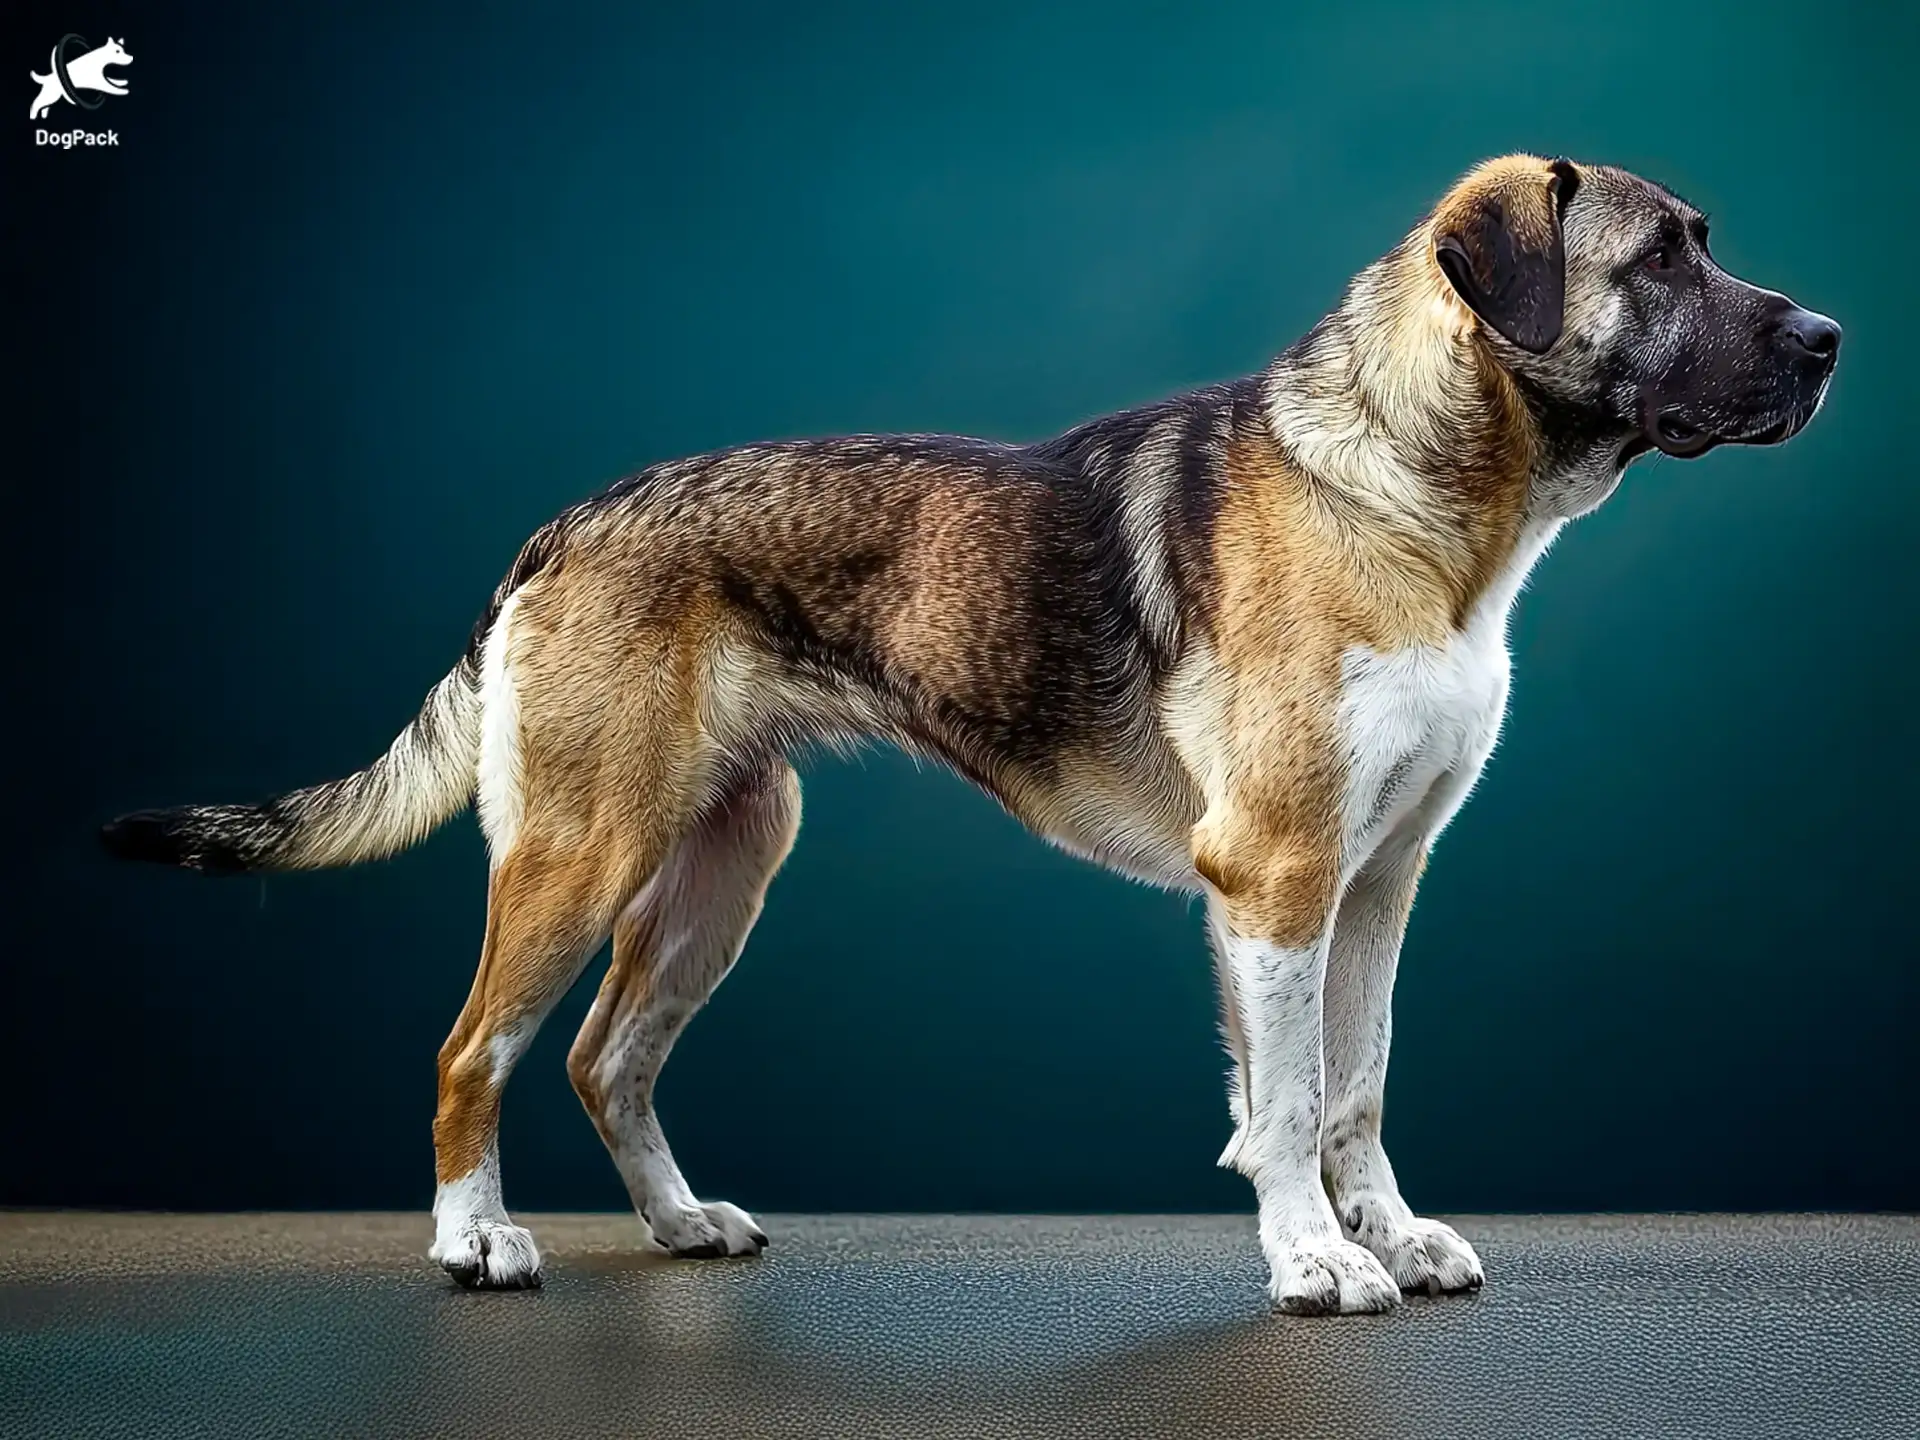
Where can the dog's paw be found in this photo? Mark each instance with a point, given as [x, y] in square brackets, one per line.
[1419, 1254]
[1329, 1277]
[707, 1232]
[489, 1255]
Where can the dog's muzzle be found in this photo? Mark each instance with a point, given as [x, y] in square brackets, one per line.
[1801, 349]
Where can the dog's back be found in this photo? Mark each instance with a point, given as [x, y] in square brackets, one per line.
[1016, 612]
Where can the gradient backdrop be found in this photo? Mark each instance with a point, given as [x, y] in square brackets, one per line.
[363, 296]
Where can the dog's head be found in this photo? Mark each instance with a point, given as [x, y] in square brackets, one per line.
[1596, 289]
[108, 55]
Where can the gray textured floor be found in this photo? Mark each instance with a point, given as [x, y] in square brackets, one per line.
[328, 1325]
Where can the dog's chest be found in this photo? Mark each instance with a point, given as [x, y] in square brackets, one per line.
[1413, 717]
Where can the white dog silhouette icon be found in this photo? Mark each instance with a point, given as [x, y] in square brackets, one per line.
[84, 72]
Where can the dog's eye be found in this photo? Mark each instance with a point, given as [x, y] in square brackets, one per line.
[1659, 260]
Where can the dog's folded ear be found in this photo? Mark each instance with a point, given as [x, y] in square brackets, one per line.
[1498, 240]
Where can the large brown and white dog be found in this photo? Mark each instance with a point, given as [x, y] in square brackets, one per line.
[1248, 642]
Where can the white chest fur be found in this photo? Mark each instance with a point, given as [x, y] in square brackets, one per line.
[1413, 719]
[1419, 722]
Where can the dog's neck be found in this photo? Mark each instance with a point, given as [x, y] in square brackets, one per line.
[1581, 460]
[1395, 404]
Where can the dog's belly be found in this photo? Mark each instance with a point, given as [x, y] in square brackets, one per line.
[1136, 819]
[1119, 843]
[1419, 723]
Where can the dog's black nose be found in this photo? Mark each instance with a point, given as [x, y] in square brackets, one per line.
[1815, 334]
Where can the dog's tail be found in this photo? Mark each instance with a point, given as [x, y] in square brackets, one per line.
[427, 776]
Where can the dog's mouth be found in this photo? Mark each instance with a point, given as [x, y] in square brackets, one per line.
[1782, 426]
[1673, 434]
[1794, 419]
[1677, 437]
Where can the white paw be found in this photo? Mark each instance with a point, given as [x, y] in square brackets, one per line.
[706, 1232]
[489, 1255]
[1419, 1254]
[1330, 1276]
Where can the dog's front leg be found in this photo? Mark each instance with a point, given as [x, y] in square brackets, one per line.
[1420, 1254]
[1273, 906]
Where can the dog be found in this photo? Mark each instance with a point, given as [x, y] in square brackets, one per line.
[1249, 642]
[87, 72]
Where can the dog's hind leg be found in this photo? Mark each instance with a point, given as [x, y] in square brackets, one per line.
[592, 765]
[549, 908]
[671, 947]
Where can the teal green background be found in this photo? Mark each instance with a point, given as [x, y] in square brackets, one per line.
[368, 292]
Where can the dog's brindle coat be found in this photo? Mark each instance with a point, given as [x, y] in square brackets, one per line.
[1249, 641]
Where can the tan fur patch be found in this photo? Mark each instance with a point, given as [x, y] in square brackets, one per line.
[1520, 184]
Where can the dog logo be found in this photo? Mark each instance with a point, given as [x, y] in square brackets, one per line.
[74, 75]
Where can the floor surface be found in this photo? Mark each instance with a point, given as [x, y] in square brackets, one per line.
[931, 1326]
